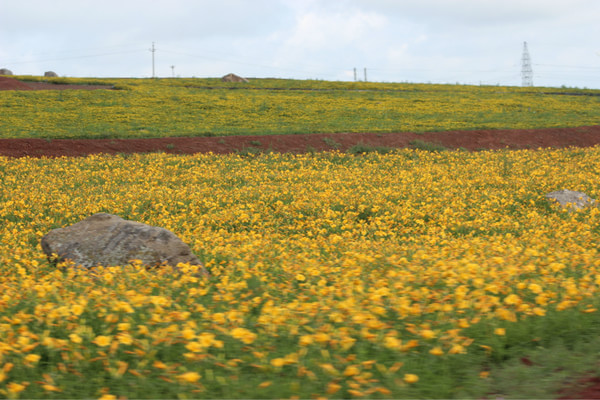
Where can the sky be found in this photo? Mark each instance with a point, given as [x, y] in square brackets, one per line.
[476, 42]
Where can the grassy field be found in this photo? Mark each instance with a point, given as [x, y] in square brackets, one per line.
[209, 107]
[331, 276]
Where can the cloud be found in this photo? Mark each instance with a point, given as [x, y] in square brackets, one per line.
[397, 40]
[321, 31]
[139, 20]
[477, 12]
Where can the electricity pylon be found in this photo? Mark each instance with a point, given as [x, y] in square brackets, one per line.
[526, 71]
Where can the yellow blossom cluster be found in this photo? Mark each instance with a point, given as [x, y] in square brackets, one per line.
[208, 107]
[331, 274]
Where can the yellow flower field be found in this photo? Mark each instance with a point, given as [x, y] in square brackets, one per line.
[332, 275]
[209, 107]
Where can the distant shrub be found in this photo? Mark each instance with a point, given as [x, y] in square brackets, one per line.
[362, 148]
[428, 146]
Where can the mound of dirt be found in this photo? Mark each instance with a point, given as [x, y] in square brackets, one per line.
[12, 84]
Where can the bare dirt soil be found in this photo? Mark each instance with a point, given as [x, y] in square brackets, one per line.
[468, 140]
[14, 84]
[584, 388]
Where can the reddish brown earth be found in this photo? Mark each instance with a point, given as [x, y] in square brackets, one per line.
[470, 140]
[14, 84]
[584, 388]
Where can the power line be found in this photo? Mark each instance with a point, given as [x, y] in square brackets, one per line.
[567, 66]
[72, 57]
[252, 64]
[545, 71]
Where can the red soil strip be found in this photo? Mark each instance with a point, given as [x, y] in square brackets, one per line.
[585, 388]
[586, 136]
[14, 84]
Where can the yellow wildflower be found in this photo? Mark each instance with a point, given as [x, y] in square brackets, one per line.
[102, 340]
[77, 309]
[392, 343]
[535, 288]
[124, 326]
[512, 299]
[436, 351]
[75, 338]
[351, 370]
[332, 388]
[125, 338]
[14, 387]
[32, 358]
[243, 334]
[189, 377]
[278, 362]
[195, 347]
[188, 333]
[457, 349]
[321, 337]
[427, 334]
[306, 340]
[51, 388]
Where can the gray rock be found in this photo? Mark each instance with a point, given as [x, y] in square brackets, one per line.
[109, 240]
[50, 74]
[4, 71]
[570, 199]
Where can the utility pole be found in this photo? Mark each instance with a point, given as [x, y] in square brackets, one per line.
[153, 50]
[365, 74]
[354, 74]
[173, 71]
[526, 70]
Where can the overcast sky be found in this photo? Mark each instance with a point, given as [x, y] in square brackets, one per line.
[438, 41]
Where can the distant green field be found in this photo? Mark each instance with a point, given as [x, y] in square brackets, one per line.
[208, 107]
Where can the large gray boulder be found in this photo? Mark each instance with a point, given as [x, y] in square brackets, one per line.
[109, 240]
[4, 71]
[50, 74]
[571, 200]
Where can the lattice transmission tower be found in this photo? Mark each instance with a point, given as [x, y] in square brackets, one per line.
[526, 71]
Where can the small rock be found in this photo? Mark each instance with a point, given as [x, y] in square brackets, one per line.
[109, 240]
[570, 199]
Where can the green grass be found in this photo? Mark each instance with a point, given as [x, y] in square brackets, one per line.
[362, 148]
[332, 143]
[428, 146]
[208, 107]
